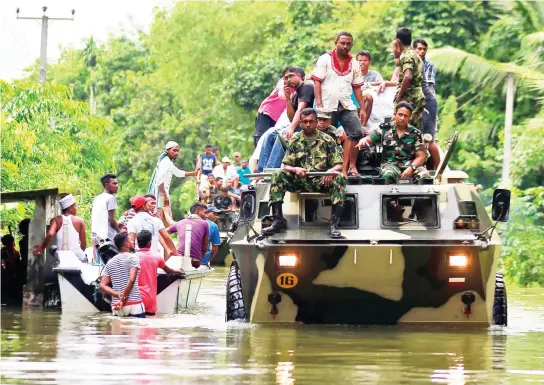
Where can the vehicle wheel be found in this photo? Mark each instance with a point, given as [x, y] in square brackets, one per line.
[235, 298]
[500, 308]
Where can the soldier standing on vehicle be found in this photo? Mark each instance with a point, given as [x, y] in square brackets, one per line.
[403, 147]
[309, 150]
[409, 84]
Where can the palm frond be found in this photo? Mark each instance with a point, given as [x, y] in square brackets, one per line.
[532, 46]
[528, 14]
[535, 39]
[476, 69]
[469, 66]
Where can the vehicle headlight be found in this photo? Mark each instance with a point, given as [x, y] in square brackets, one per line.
[287, 260]
[458, 260]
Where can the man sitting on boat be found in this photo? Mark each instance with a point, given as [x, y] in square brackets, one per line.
[68, 229]
[149, 263]
[308, 150]
[120, 279]
[403, 148]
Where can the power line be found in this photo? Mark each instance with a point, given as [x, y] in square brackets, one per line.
[43, 48]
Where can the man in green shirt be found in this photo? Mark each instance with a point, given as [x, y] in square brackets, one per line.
[308, 150]
[410, 76]
[403, 148]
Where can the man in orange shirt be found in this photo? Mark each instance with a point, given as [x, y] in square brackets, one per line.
[149, 263]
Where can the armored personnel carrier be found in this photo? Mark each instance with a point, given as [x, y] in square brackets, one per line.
[421, 253]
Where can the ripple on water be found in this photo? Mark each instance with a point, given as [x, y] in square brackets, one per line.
[44, 347]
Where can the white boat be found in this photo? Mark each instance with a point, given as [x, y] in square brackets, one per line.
[79, 285]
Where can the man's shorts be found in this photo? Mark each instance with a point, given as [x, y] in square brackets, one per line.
[350, 122]
[136, 310]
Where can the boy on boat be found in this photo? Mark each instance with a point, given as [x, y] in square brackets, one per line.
[120, 279]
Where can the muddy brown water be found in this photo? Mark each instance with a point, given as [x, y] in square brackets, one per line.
[198, 347]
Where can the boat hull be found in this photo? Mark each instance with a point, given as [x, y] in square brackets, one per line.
[79, 287]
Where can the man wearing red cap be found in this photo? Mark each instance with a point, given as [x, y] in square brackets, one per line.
[144, 221]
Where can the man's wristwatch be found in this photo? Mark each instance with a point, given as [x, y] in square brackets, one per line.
[413, 167]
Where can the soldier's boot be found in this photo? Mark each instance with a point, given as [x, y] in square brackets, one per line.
[278, 221]
[334, 232]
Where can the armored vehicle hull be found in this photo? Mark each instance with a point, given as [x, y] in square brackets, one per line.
[411, 254]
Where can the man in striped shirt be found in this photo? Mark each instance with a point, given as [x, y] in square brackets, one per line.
[120, 279]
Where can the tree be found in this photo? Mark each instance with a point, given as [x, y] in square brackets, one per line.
[49, 140]
[89, 60]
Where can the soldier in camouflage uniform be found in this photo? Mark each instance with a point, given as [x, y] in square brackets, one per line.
[309, 150]
[403, 148]
[409, 84]
[324, 125]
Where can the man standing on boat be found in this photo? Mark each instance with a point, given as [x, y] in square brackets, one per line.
[162, 176]
[103, 222]
[69, 229]
[149, 263]
[336, 76]
[409, 84]
[309, 150]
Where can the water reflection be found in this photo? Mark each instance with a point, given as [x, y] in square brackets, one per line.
[198, 347]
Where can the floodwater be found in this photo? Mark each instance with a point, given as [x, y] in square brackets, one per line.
[198, 347]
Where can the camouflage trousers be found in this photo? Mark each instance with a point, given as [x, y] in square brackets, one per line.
[392, 171]
[283, 181]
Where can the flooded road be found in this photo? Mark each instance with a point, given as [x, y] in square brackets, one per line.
[198, 347]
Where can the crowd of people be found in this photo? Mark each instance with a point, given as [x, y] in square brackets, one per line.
[142, 235]
[342, 90]
[219, 182]
[356, 97]
[317, 123]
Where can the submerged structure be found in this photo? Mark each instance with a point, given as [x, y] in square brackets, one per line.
[421, 253]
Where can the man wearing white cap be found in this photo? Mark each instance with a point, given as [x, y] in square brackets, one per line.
[224, 171]
[69, 229]
[162, 175]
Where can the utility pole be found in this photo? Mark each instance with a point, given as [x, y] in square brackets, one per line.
[43, 48]
[508, 117]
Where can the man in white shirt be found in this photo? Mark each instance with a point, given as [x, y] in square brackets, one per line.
[144, 221]
[336, 76]
[103, 222]
[224, 171]
[162, 175]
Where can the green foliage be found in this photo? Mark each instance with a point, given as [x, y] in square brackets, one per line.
[454, 23]
[49, 140]
[524, 248]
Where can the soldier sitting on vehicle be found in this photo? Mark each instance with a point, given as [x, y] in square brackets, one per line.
[324, 125]
[403, 149]
[308, 150]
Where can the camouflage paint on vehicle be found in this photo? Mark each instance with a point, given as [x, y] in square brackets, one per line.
[375, 275]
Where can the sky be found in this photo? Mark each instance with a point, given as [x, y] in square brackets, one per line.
[20, 39]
